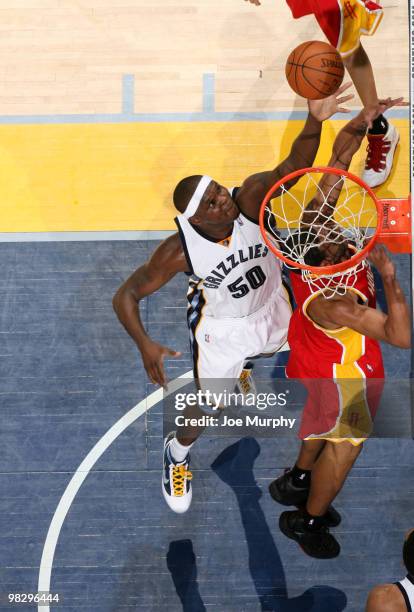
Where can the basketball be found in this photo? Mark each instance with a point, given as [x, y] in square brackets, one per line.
[314, 70]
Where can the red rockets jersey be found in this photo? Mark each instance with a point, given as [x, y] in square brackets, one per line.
[342, 21]
[340, 353]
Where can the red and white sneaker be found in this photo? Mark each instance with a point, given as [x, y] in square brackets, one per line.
[380, 155]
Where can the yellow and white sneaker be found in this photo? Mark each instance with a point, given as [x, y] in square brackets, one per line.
[246, 384]
[176, 477]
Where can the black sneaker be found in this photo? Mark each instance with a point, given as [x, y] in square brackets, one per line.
[286, 493]
[319, 544]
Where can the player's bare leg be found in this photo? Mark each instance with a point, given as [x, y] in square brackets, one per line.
[382, 137]
[308, 454]
[329, 474]
[309, 527]
[176, 485]
[188, 434]
[360, 70]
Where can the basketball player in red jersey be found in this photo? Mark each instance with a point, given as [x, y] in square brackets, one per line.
[343, 22]
[334, 347]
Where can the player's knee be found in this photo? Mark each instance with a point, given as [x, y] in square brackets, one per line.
[356, 450]
[357, 59]
[209, 409]
[345, 452]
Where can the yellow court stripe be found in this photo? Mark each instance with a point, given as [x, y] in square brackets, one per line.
[93, 177]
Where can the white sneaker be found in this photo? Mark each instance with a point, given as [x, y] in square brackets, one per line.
[176, 486]
[380, 155]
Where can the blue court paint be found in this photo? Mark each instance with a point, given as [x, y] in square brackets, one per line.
[83, 236]
[58, 326]
[150, 118]
[175, 117]
[209, 87]
[128, 94]
[208, 113]
[46, 563]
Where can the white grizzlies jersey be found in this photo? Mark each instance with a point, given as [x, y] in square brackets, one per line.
[232, 278]
[406, 587]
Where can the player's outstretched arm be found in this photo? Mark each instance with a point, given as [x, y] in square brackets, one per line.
[302, 153]
[167, 260]
[394, 327]
[349, 139]
[346, 144]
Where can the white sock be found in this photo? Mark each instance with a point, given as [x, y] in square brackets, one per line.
[178, 451]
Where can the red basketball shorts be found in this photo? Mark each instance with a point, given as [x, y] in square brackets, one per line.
[342, 399]
[342, 21]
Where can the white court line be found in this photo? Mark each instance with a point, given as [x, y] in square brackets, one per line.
[46, 563]
[49, 548]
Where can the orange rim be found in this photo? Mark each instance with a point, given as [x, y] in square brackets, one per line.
[323, 270]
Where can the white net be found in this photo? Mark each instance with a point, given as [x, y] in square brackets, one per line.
[322, 222]
[333, 284]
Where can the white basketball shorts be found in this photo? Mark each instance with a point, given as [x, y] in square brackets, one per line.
[221, 346]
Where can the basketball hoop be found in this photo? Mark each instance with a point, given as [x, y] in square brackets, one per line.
[329, 212]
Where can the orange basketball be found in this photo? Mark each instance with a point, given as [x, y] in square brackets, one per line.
[314, 70]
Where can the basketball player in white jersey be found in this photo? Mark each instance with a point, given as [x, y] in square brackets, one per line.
[238, 307]
[397, 597]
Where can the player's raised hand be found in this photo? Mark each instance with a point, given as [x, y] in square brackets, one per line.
[325, 108]
[381, 260]
[371, 112]
[153, 355]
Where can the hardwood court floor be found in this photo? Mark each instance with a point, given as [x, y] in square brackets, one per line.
[69, 57]
[105, 105]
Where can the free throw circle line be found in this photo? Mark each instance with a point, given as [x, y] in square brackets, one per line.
[62, 509]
